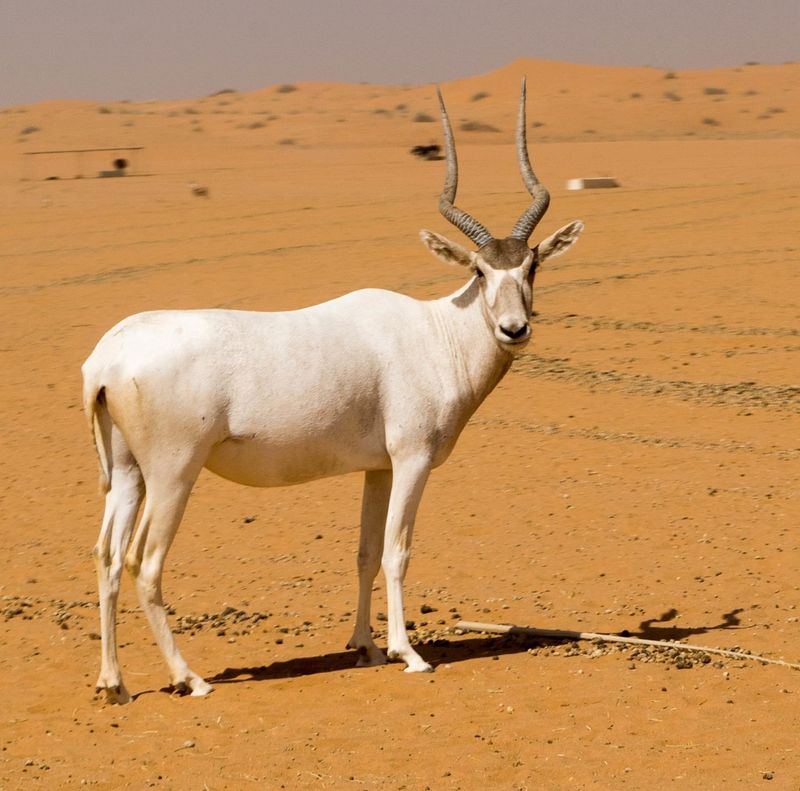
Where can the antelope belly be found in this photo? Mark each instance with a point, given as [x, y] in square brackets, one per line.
[256, 461]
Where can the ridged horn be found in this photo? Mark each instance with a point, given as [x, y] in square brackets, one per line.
[465, 223]
[541, 197]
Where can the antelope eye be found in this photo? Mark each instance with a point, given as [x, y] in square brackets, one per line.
[478, 272]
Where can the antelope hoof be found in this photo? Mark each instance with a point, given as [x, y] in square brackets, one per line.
[116, 694]
[194, 686]
[414, 662]
[369, 655]
[419, 666]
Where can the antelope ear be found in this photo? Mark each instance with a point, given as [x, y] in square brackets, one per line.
[560, 241]
[447, 251]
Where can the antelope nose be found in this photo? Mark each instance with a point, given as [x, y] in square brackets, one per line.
[514, 331]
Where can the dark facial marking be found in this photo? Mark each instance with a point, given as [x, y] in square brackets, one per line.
[504, 253]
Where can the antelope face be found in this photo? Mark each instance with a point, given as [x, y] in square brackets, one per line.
[504, 268]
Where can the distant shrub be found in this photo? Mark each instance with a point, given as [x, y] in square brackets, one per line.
[286, 88]
[764, 117]
[423, 118]
[711, 122]
[104, 110]
[752, 63]
[197, 129]
[382, 111]
[775, 110]
[29, 130]
[477, 126]
[256, 125]
[590, 131]
[636, 95]
[287, 141]
[751, 92]
[476, 97]
[401, 107]
[673, 97]
[670, 75]
[714, 91]
[222, 92]
[537, 124]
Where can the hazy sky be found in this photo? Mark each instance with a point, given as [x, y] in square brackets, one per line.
[143, 49]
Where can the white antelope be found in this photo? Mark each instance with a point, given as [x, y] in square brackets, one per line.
[373, 381]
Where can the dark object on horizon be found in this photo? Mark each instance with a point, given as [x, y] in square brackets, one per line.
[120, 163]
[430, 153]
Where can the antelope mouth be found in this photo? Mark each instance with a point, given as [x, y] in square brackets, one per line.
[513, 338]
[514, 343]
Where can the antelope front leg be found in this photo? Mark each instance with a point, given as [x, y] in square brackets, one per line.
[409, 479]
[377, 488]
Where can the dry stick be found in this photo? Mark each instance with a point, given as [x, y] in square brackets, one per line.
[496, 628]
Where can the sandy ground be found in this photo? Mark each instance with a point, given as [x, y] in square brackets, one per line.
[636, 470]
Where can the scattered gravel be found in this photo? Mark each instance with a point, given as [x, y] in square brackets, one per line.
[232, 622]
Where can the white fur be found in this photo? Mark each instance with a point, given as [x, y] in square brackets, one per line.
[372, 381]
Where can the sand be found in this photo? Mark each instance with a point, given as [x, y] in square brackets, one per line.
[636, 470]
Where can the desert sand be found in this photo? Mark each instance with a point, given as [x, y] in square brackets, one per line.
[636, 470]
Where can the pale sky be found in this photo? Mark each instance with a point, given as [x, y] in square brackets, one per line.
[160, 49]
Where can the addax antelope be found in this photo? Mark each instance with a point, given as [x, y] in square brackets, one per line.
[373, 381]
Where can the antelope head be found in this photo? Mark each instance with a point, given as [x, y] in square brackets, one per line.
[504, 269]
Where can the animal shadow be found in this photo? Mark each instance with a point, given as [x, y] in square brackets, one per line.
[438, 652]
[648, 629]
